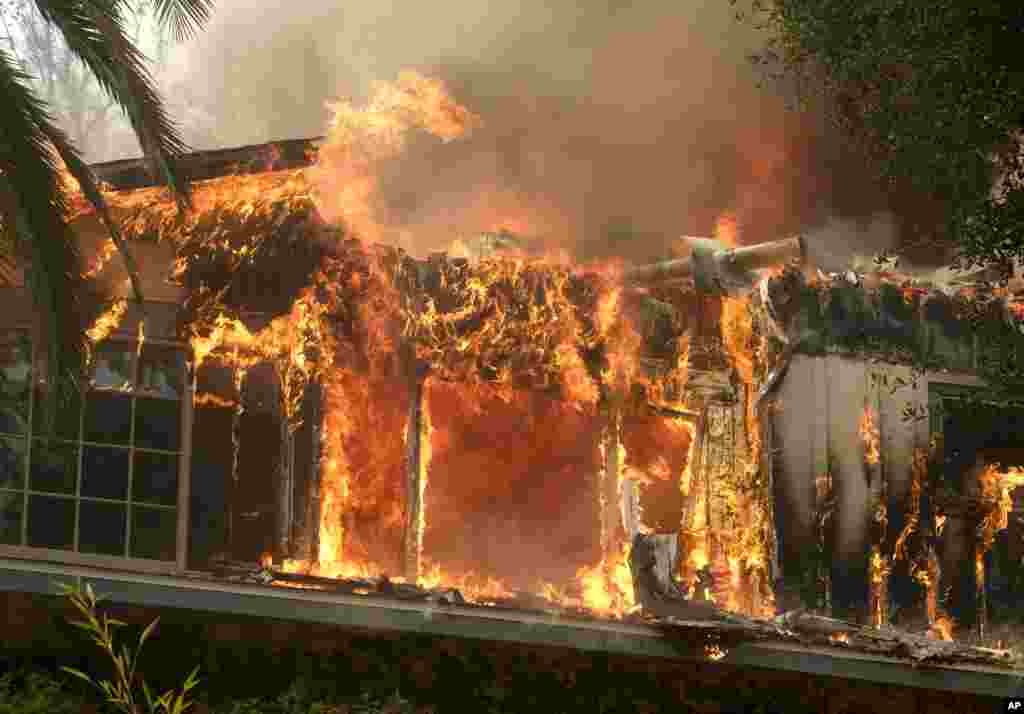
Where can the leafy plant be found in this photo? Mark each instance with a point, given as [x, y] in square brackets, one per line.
[32, 692]
[121, 691]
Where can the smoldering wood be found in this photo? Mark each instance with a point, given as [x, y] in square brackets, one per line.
[958, 575]
[887, 640]
[653, 561]
[382, 586]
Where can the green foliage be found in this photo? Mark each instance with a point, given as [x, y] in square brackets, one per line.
[34, 203]
[933, 89]
[30, 692]
[297, 701]
[123, 690]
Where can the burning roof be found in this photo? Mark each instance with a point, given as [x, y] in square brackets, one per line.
[422, 363]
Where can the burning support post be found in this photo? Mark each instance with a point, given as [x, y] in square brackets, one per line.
[963, 513]
[239, 374]
[874, 472]
[718, 463]
[610, 486]
[824, 507]
[307, 508]
[417, 434]
[285, 482]
[688, 525]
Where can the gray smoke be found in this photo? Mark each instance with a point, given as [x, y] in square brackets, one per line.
[616, 128]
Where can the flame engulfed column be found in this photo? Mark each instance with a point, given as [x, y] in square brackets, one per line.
[417, 443]
[878, 561]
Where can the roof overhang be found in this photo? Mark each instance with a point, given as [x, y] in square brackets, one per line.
[362, 613]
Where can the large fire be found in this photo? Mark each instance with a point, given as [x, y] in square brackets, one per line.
[487, 418]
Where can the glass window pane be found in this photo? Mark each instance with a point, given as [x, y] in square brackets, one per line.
[108, 418]
[15, 381]
[155, 478]
[154, 533]
[157, 424]
[101, 528]
[12, 463]
[11, 506]
[105, 472]
[112, 366]
[160, 371]
[66, 419]
[54, 467]
[51, 522]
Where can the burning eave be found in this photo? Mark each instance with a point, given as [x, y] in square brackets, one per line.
[897, 318]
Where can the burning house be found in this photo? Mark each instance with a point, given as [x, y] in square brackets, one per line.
[714, 438]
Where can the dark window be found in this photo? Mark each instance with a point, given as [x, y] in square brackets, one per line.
[51, 522]
[71, 482]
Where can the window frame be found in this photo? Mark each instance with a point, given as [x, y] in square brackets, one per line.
[121, 337]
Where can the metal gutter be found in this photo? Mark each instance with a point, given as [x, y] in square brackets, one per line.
[377, 613]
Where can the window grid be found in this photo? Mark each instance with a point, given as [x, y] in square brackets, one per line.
[28, 438]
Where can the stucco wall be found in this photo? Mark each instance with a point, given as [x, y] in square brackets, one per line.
[816, 422]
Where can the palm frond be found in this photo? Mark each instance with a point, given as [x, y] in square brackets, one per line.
[90, 188]
[33, 201]
[95, 31]
[183, 17]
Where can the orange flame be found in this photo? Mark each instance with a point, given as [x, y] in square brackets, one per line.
[107, 322]
[870, 437]
[361, 140]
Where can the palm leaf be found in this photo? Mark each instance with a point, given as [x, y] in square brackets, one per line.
[33, 201]
[95, 31]
[77, 167]
[184, 17]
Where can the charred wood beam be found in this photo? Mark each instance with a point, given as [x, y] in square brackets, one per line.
[415, 474]
[958, 574]
[766, 423]
[714, 265]
[631, 514]
[236, 447]
[696, 473]
[887, 640]
[653, 562]
[285, 483]
[608, 489]
[307, 475]
[879, 562]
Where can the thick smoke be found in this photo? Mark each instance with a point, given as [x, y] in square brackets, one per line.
[608, 129]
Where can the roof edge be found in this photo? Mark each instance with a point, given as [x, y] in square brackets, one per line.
[131, 174]
[488, 624]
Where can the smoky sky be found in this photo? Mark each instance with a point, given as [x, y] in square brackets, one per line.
[609, 128]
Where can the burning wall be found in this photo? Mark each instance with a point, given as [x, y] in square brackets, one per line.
[387, 378]
[535, 349]
[896, 521]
